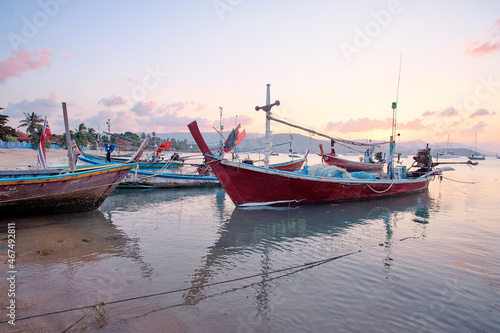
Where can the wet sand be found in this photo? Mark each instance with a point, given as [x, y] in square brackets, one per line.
[11, 159]
[53, 241]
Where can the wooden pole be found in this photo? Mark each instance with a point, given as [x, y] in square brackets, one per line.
[68, 137]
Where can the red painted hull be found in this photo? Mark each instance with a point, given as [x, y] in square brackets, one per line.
[289, 166]
[352, 165]
[252, 185]
[55, 192]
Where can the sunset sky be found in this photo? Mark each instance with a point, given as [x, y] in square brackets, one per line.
[334, 65]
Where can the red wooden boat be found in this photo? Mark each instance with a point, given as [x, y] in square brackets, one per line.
[350, 165]
[249, 185]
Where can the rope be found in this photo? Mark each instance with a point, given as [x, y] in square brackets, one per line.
[381, 191]
[458, 181]
[311, 264]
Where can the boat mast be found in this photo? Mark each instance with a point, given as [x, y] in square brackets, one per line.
[390, 165]
[268, 127]
[267, 109]
[221, 151]
[68, 137]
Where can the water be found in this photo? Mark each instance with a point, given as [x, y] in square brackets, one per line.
[420, 263]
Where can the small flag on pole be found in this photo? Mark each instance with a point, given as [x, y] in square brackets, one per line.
[76, 151]
[46, 134]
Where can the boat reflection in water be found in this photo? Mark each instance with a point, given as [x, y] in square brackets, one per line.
[281, 237]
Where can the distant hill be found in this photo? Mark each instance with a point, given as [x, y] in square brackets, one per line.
[301, 143]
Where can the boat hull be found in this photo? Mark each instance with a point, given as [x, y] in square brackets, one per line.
[59, 193]
[289, 166]
[152, 179]
[96, 159]
[252, 185]
[352, 165]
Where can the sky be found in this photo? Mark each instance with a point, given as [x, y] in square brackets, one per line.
[335, 66]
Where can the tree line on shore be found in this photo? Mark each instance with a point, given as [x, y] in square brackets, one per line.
[82, 135]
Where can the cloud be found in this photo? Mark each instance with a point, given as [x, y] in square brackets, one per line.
[358, 125]
[449, 112]
[113, 101]
[41, 106]
[474, 129]
[415, 125]
[24, 61]
[482, 112]
[492, 45]
[143, 108]
[429, 113]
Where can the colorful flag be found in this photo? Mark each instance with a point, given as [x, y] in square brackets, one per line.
[75, 150]
[231, 139]
[46, 134]
[240, 137]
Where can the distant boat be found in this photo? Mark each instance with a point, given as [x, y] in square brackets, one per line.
[50, 191]
[172, 163]
[290, 165]
[149, 179]
[474, 155]
[331, 159]
[157, 178]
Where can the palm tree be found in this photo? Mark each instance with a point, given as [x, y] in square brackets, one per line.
[80, 135]
[32, 122]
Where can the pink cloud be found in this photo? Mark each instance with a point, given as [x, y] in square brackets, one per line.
[358, 125]
[492, 45]
[24, 61]
[112, 101]
[482, 112]
[449, 112]
[142, 108]
[474, 129]
[415, 125]
[428, 113]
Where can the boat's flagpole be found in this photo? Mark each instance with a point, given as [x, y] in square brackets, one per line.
[267, 109]
[268, 128]
[68, 137]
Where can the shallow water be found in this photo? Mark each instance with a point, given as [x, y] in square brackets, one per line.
[421, 263]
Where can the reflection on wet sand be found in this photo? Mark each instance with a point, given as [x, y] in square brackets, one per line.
[54, 257]
[260, 230]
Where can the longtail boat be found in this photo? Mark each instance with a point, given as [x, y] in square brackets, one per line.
[350, 165]
[50, 191]
[250, 185]
[61, 190]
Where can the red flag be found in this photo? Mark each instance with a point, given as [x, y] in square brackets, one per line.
[240, 138]
[46, 134]
[163, 146]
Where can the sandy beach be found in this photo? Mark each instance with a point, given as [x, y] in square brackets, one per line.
[11, 159]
